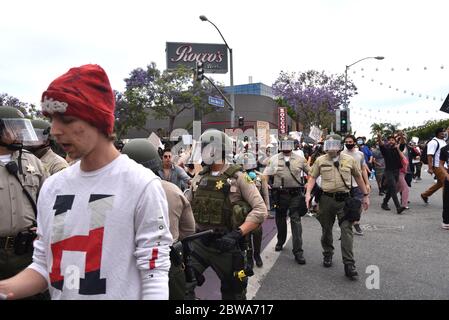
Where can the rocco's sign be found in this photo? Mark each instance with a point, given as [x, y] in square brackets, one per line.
[213, 56]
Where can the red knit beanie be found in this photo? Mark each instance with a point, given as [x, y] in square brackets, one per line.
[84, 93]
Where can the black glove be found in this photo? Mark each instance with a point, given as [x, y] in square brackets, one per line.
[230, 240]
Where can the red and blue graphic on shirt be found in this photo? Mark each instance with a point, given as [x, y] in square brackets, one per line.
[91, 244]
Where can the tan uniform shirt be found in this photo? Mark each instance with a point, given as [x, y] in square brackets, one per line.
[262, 185]
[182, 223]
[282, 177]
[52, 162]
[16, 212]
[242, 188]
[331, 180]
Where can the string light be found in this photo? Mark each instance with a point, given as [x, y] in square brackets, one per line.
[381, 83]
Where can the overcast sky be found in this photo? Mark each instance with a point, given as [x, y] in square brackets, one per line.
[42, 39]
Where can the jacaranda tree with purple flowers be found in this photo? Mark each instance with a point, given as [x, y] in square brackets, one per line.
[164, 95]
[312, 96]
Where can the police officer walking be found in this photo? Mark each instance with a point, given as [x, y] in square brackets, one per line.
[42, 148]
[227, 201]
[249, 164]
[336, 170]
[287, 169]
[182, 223]
[21, 177]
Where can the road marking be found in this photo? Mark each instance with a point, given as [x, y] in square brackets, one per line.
[269, 257]
[372, 227]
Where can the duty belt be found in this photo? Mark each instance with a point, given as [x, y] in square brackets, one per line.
[291, 191]
[338, 196]
[7, 243]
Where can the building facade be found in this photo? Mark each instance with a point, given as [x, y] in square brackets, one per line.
[254, 102]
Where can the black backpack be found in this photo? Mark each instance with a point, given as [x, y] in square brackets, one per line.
[424, 152]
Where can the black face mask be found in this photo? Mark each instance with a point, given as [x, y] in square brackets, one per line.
[350, 146]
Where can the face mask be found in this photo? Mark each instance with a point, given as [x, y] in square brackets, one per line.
[252, 175]
[350, 146]
[333, 154]
[359, 142]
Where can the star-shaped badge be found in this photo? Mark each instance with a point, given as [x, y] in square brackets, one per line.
[31, 169]
[219, 185]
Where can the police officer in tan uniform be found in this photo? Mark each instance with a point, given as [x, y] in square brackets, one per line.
[288, 170]
[249, 163]
[182, 223]
[42, 149]
[336, 170]
[21, 177]
[227, 201]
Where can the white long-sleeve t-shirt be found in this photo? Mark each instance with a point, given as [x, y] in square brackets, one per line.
[104, 234]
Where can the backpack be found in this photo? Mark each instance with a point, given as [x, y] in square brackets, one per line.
[424, 152]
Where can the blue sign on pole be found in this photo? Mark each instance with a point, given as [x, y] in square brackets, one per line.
[216, 102]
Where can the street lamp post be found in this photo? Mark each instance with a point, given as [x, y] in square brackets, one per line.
[203, 18]
[346, 76]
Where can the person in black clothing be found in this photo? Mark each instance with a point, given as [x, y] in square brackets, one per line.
[444, 158]
[390, 152]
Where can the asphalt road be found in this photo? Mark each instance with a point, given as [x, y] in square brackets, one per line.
[410, 252]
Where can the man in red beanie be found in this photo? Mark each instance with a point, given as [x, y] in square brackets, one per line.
[103, 229]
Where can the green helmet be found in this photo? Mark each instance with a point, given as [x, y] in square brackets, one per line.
[143, 152]
[41, 124]
[332, 143]
[10, 113]
[286, 144]
[216, 147]
[15, 130]
[42, 129]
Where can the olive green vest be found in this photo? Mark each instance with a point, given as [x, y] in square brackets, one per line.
[211, 206]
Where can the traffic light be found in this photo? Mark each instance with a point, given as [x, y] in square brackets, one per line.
[241, 121]
[344, 121]
[199, 71]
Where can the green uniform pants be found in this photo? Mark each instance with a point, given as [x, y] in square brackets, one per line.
[329, 208]
[224, 264]
[12, 264]
[176, 283]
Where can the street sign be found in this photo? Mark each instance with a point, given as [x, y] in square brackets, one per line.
[445, 106]
[216, 102]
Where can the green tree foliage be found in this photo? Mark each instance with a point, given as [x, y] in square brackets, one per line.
[165, 94]
[427, 131]
[384, 128]
[28, 109]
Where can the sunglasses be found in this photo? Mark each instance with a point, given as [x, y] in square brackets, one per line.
[167, 157]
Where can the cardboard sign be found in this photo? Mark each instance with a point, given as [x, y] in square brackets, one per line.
[155, 141]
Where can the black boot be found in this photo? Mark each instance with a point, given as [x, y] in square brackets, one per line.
[350, 271]
[258, 260]
[300, 258]
[327, 261]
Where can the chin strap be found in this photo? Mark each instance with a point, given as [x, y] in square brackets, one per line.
[12, 146]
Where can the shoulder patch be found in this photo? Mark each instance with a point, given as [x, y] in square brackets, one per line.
[248, 179]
